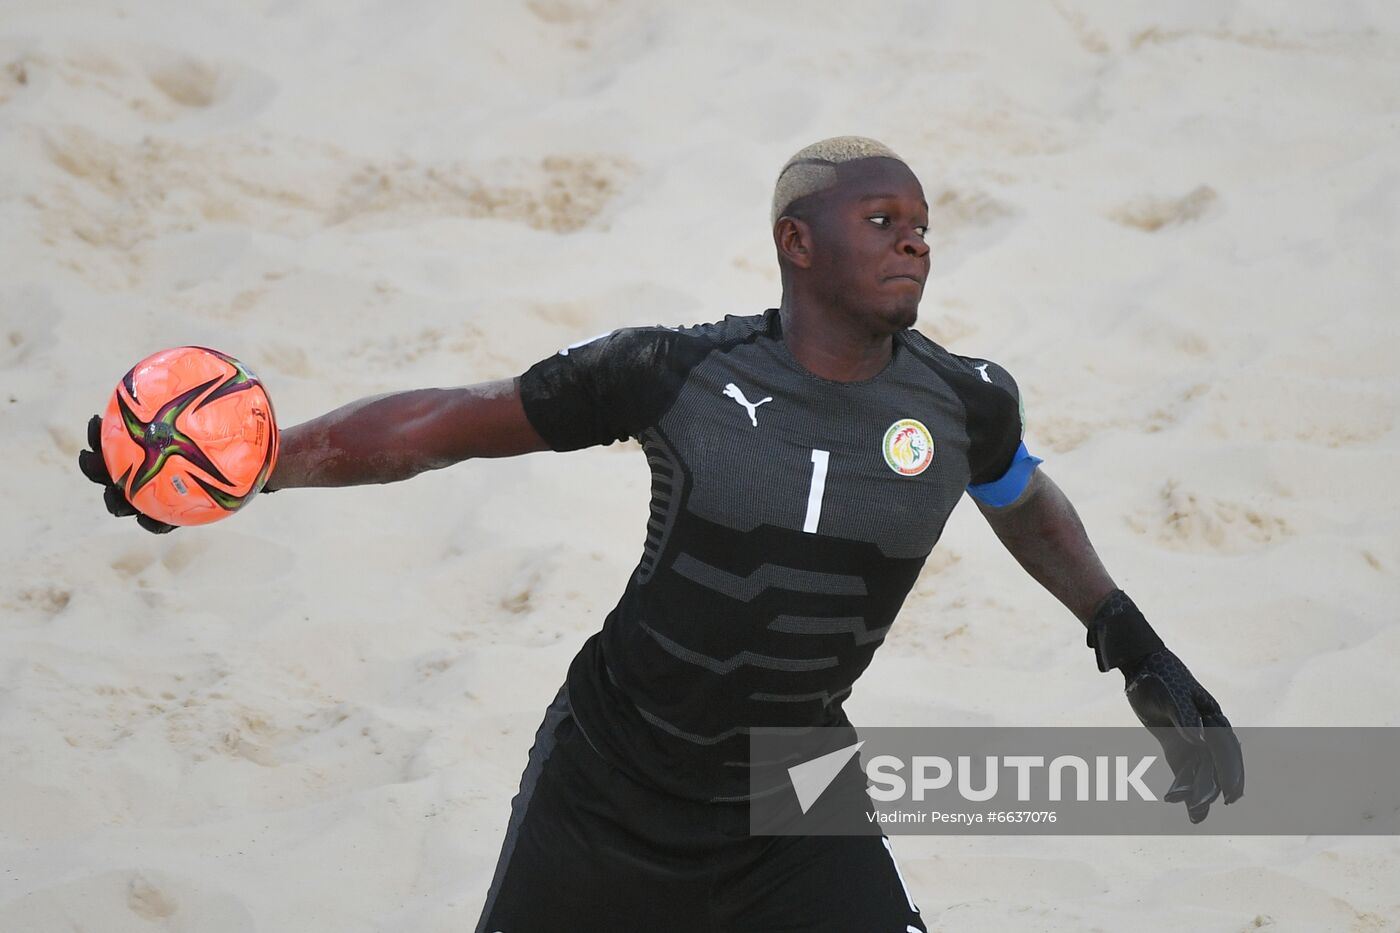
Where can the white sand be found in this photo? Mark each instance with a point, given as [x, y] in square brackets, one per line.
[1177, 224]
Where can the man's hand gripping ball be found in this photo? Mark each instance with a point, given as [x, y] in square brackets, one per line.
[95, 468]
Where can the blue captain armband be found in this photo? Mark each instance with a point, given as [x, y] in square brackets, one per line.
[1002, 492]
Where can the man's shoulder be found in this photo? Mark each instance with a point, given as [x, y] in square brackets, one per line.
[618, 383]
[730, 329]
[963, 373]
[991, 402]
[943, 360]
[658, 351]
[669, 347]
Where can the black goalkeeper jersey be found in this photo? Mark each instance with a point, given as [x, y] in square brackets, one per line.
[790, 516]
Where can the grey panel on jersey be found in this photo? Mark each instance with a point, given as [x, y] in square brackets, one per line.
[790, 518]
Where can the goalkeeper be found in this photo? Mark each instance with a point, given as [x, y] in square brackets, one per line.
[804, 463]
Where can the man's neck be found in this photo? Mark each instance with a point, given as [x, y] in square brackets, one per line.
[825, 345]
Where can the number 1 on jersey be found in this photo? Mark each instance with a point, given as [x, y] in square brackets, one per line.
[814, 494]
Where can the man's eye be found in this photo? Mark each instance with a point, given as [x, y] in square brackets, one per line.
[922, 231]
[879, 220]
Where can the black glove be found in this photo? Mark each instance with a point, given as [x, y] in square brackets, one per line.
[95, 469]
[1200, 746]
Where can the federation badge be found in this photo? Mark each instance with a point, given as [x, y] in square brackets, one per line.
[908, 447]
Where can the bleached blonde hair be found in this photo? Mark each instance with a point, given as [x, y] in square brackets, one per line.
[813, 168]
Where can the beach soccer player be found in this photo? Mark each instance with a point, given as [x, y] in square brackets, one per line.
[804, 462]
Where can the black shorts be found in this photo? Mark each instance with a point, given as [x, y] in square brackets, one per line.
[588, 848]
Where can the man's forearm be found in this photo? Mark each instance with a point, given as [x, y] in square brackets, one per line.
[1043, 532]
[355, 444]
[394, 437]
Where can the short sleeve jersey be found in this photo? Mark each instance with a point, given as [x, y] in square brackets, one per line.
[790, 516]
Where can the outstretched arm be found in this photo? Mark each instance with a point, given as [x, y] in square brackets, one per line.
[1043, 532]
[393, 437]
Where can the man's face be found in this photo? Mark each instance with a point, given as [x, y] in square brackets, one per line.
[868, 252]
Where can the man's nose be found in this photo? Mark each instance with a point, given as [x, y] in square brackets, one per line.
[913, 244]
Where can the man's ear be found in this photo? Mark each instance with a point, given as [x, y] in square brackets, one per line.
[794, 240]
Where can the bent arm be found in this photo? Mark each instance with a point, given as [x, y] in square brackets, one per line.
[1043, 532]
[393, 437]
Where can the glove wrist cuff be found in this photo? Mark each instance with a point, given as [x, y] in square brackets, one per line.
[1120, 634]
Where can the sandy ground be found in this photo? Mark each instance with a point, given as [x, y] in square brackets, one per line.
[1176, 224]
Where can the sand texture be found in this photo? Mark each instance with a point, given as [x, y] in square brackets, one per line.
[1177, 224]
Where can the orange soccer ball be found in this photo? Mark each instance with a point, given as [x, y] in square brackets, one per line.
[189, 436]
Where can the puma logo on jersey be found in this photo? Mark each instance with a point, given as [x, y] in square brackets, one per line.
[983, 370]
[734, 392]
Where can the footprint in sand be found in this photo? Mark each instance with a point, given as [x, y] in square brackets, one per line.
[518, 594]
[558, 193]
[131, 562]
[148, 901]
[127, 900]
[154, 83]
[1184, 521]
[221, 93]
[14, 77]
[187, 87]
[1152, 214]
[28, 317]
[286, 359]
[47, 600]
[186, 81]
[585, 25]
